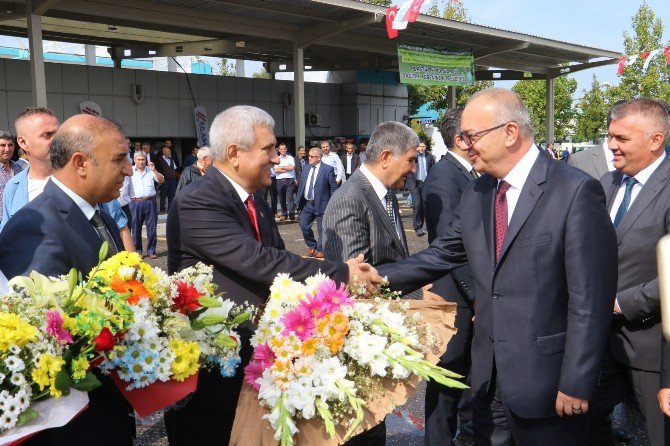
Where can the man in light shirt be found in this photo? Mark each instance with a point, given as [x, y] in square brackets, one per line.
[331, 158]
[285, 172]
[143, 206]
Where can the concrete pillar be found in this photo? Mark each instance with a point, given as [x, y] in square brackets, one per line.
[299, 93]
[239, 68]
[550, 111]
[172, 65]
[37, 77]
[451, 95]
[89, 54]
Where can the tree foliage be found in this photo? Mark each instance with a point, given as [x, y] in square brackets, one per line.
[647, 35]
[227, 68]
[591, 113]
[533, 93]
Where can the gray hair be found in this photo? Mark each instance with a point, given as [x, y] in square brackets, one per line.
[203, 152]
[139, 154]
[68, 140]
[4, 134]
[393, 136]
[655, 113]
[236, 126]
[317, 150]
[510, 108]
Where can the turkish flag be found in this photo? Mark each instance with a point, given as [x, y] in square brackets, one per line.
[622, 64]
[390, 16]
[644, 54]
[414, 10]
[667, 53]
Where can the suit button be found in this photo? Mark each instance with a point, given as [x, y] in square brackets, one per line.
[496, 295]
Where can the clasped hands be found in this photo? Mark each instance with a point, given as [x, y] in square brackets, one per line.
[361, 273]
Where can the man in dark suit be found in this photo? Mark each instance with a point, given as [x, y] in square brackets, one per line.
[221, 220]
[414, 183]
[441, 195]
[63, 228]
[542, 253]
[316, 187]
[350, 160]
[638, 198]
[168, 168]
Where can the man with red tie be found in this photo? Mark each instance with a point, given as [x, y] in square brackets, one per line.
[221, 220]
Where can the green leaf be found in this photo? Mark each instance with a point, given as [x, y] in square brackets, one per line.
[222, 340]
[208, 302]
[88, 383]
[63, 382]
[27, 416]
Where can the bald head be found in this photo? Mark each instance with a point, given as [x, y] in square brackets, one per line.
[78, 134]
[507, 106]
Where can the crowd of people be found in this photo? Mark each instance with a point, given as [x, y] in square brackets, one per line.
[550, 264]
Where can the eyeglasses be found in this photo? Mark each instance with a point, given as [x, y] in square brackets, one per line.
[470, 138]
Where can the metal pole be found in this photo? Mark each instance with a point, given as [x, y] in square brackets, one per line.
[299, 93]
[172, 65]
[239, 68]
[37, 77]
[550, 110]
[89, 54]
[451, 95]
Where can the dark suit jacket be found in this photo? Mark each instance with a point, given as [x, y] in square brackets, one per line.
[324, 187]
[441, 194]
[170, 173]
[544, 309]
[355, 162]
[635, 340]
[591, 161]
[410, 181]
[51, 235]
[299, 167]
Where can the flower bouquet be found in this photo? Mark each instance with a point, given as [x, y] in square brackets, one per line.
[326, 366]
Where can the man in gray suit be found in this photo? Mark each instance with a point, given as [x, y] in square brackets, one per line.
[595, 161]
[638, 199]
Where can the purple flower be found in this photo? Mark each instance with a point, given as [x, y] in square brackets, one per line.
[55, 327]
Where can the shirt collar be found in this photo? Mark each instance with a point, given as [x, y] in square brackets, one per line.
[84, 205]
[464, 163]
[643, 176]
[377, 185]
[239, 189]
[517, 176]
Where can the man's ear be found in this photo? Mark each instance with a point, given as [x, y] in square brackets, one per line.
[78, 160]
[232, 155]
[512, 133]
[385, 157]
[657, 141]
[20, 140]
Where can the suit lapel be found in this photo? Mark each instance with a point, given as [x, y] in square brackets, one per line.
[613, 188]
[530, 193]
[599, 161]
[459, 166]
[229, 190]
[381, 215]
[489, 185]
[401, 226]
[647, 194]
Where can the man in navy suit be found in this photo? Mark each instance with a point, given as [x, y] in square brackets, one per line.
[317, 185]
[63, 228]
[543, 257]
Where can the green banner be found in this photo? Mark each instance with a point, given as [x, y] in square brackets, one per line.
[421, 65]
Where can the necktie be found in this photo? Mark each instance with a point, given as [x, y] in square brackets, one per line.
[474, 174]
[421, 168]
[310, 187]
[389, 206]
[253, 216]
[630, 183]
[104, 233]
[500, 210]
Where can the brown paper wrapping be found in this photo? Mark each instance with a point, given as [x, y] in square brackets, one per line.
[250, 429]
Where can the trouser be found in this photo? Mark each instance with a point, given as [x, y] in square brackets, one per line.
[620, 383]
[272, 189]
[417, 205]
[129, 215]
[285, 192]
[168, 190]
[307, 217]
[144, 211]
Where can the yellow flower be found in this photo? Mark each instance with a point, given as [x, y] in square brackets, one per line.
[45, 373]
[186, 361]
[80, 366]
[14, 330]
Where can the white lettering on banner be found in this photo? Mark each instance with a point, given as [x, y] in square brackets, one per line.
[201, 125]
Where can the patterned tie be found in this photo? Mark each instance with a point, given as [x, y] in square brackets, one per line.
[630, 183]
[389, 206]
[104, 233]
[500, 210]
[253, 217]
[310, 187]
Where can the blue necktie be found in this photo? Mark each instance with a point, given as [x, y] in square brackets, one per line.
[630, 182]
[310, 188]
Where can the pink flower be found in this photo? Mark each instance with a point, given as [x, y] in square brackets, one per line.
[252, 372]
[299, 322]
[332, 296]
[314, 305]
[55, 327]
[264, 355]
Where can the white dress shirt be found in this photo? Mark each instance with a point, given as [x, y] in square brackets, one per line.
[333, 160]
[349, 158]
[286, 161]
[642, 177]
[82, 204]
[313, 172]
[381, 192]
[517, 178]
[143, 183]
[465, 163]
[609, 157]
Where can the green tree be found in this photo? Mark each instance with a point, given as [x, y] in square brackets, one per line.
[261, 74]
[378, 2]
[591, 113]
[226, 68]
[533, 94]
[647, 35]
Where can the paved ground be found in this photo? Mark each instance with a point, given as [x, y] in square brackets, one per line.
[400, 431]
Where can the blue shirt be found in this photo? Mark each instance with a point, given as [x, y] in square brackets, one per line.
[143, 183]
[113, 208]
[15, 196]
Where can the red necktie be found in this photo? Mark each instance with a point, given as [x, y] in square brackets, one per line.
[253, 217]
[500, 210]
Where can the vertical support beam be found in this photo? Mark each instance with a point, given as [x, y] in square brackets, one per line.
[299, 92]
[37, 77]
[89, 54]
[239, 68]
[171, 65]
[451, 95]
[550, 110]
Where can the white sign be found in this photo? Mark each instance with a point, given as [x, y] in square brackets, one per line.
[201, 125]
[90, 108]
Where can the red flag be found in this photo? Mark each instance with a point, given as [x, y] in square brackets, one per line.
[644, 54]
[622, 64]
[667, 53]
[390, 16]
[413, 12]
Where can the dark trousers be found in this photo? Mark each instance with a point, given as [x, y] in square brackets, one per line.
[129, 215]
[272, 189]
[619, 383]
[144, 211]
[442, 402]
[168, 190]
[496, 425]
[307, 217]
[373, 437]
[417, 205]
[285, 192]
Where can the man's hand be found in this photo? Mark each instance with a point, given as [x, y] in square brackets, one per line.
[664, 401]
[429, 296]
[363, 273]
[568, 405]
[152, 167]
